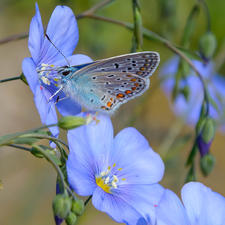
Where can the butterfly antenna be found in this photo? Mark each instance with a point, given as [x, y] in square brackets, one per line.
[57, 49]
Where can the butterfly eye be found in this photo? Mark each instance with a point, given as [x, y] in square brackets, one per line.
[65, 73]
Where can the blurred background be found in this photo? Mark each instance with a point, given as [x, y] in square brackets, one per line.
[29, 182]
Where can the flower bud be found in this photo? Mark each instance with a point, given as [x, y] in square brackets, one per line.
[207, 163]
[207, 45]
[71, 122]
[38, 154]
[61, 205]
[77, 207]
[205, 130]
[71, 219]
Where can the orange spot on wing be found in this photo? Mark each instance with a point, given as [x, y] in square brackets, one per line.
[111, 99]
[136, 84]
[146, 64]
[103, 107]
[128, 92]
[139, 73]
[133, 88]
[142, 68]
[129, 75]
[119, 96]
[109, 104]
[133, 80]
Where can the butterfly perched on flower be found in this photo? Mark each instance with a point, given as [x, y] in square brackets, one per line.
[105, 84]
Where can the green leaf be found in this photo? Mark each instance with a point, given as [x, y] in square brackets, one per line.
[27, 141]
[214, 104]
[54, 159]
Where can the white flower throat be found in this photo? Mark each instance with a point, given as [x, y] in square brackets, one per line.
[108, 181]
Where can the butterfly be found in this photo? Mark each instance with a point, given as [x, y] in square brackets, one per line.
[106, 84]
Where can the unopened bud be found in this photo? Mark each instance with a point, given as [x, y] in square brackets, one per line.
[207, 45]
[38, 154]
[71, 122]
[207, 163]
[61, 205]
[71, 219]
[77, 207]
[205, 130]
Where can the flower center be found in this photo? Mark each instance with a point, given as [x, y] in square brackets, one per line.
[108, 181]
[45, 76]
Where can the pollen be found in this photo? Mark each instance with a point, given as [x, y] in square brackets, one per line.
[52, 66]
[120, 169]
[123, 179]
[114, 164]
[56, 79]
[56, 85]
[45, 80]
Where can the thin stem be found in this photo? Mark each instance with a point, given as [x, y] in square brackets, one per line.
[5, 141]
[89, 198]
[79, 16]
[50, 138]
[20, 147]
[70, 191]
[53, 163]
[10, 79]
[93, 9]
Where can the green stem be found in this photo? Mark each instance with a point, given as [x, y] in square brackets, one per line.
[20, 147]
[89, 198]
[9, 79]
[40, 149]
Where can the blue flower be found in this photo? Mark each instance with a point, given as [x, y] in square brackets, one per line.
[190, 110]
[63, 32]
[120, 173]
[201, 206]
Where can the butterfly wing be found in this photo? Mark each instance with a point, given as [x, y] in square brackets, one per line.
[141, 63]
[106, 84]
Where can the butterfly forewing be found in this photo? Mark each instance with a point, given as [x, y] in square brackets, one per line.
[142, 64]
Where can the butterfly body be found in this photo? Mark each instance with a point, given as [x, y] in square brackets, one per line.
[106, 84]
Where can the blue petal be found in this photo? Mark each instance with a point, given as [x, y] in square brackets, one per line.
[40, 100]
[170, 210]
[135, 203]
[29, 71]
[52, 119]
[74, 60]
[89, 150]
[63, 32]
[139, 163]
[204, 207]
[36, 35]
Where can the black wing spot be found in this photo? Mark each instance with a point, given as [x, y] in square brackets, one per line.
[109, 91]
[112, 75]
[93, 78]
[116, 65]
[139, 80]
[92, 100]
[102, 69]
[128, 59]
[129, 68]
[134, 61]
[134, 64]
[103, 98]
[106, 82]
[119, 78]
[125, 83]
[122, 86]
[124, 71]
[117, 89]
[91, 90]
[65, 73]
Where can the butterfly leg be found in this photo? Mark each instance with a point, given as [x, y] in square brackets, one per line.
[59, 91]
